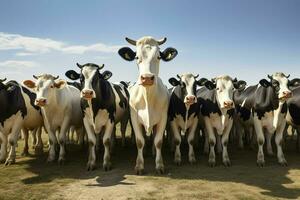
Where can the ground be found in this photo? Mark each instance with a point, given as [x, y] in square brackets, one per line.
[32, 178]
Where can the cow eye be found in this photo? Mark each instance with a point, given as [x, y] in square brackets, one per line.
[217, 88]
[52, 86]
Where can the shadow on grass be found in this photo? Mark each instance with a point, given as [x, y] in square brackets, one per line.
[271, 178]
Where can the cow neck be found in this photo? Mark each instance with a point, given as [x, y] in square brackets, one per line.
[104, 98]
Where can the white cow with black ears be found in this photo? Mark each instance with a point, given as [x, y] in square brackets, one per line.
[149, 98]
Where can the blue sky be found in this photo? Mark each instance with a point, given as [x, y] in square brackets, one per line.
[243, 38]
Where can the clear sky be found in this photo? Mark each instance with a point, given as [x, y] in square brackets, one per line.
[243, 38]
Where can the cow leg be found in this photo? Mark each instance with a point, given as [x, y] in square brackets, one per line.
[240, 134]
[112, 141]
[177, 142]
[65, 128]
[34, 138]
[25, 149]
[268, 137]
[260, 141]
[39, 144]
[109, 128]
[219, 144]
[124, 123]
[278, 141]
[92, 144]
[3, 147]
[212, 142]
[225, 136]
[158, 141]
[12, 139]
[206, 143]
[191, 139]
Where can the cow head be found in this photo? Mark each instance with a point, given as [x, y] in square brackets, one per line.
[89, 78]
[224, 86]
[45, 88]
[188, 85]
[280, 84]
[147, 56]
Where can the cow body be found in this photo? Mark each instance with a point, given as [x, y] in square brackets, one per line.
[217, 109]
[104, 104]
[183, 113]
[60, 106]
[149, 98]
[293, 114]
[33, 121]
[264, 107]
[12, 113]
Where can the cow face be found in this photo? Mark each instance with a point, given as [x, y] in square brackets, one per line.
[89, 78]
[148, 57]
[45, 88]
[224, 86]
[280, 84]
[188, 85]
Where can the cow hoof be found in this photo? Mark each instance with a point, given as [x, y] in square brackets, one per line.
[283, 163]
[160, 170]
[260, 163]
[139, 171]
[107, 167]
[61, 161]
[9, 161]
[227, 163]
[90, 167]
[25, 153]
[212, 163]
[50, 160]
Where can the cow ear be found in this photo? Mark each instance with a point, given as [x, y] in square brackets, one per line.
[60, 84]
[71, 74]
[29, 84]
[127, 53]
[264, 83]
[240, 85]
[201, 81]
[174, 81]
[295, 82]
[106, 75]
[210, 85]
[168, 54]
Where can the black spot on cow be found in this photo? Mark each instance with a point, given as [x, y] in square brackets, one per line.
[32, 97]
[123, 101]
[293, 105]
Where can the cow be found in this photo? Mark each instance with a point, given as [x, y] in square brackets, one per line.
[216, 112]
[12, 113]
[183, 112]
[33, 121]
[264, 106]
[104, 104]
[293, 113]
[149, 98]
[60, 106]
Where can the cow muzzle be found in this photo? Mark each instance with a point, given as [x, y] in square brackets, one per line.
[286, 95]
[190, 100]
[228, 104]
[147, 80]
[87, 94]
[40, 102]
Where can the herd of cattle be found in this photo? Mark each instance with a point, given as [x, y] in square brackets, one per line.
[93, 106]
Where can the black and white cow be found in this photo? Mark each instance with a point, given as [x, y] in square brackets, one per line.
[104, 104]
[264, 106]
[217, 109]
[293, 114]
[60, 106]
[12, 113]
[183, 112]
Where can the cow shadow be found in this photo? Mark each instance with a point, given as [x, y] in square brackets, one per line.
[272, 179]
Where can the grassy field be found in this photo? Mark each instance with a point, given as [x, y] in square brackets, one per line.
[32, 178]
